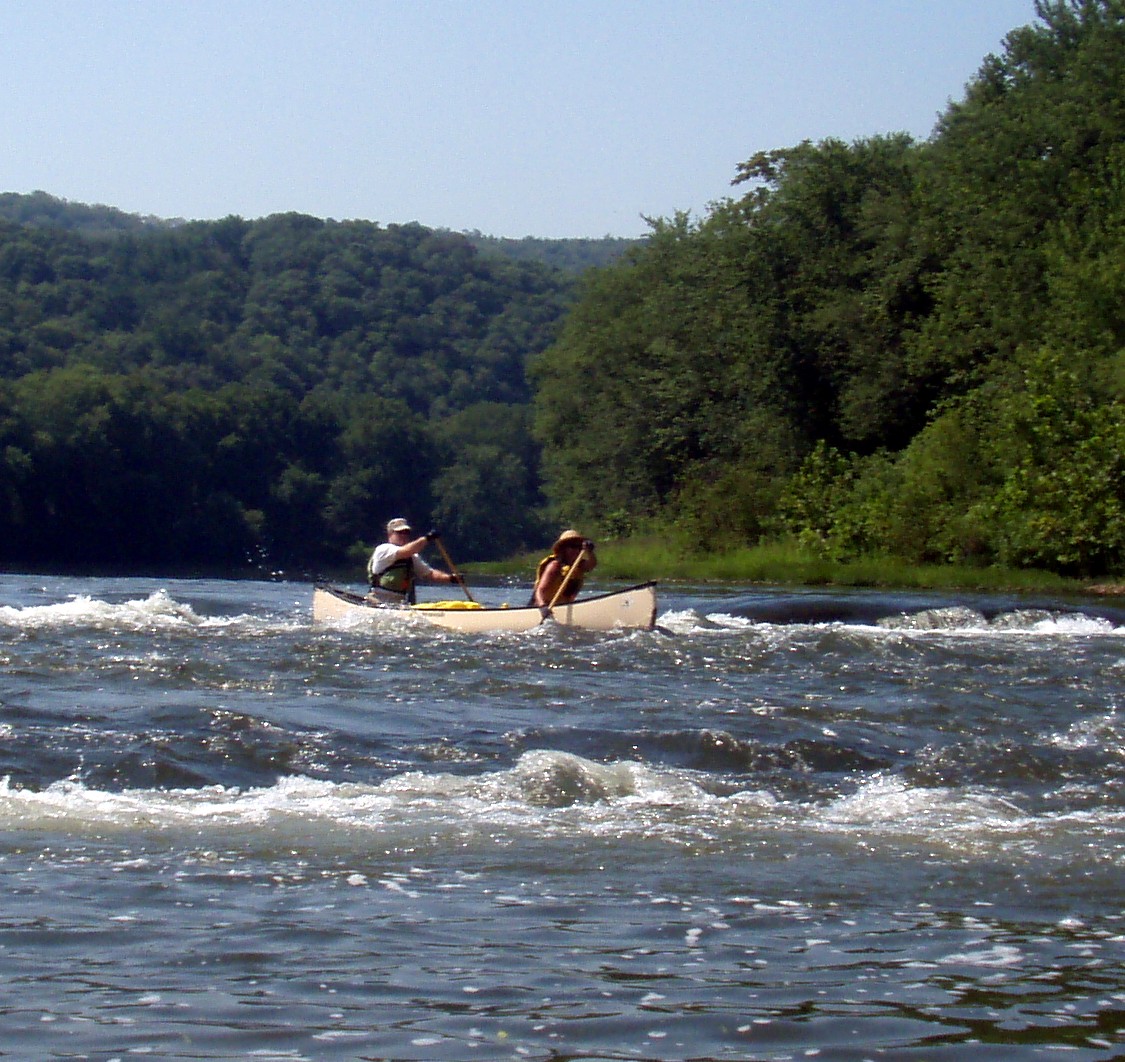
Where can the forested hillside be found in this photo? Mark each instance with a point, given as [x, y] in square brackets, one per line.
[569, 255]
[42, 209]
[893, 347]
[213, 392]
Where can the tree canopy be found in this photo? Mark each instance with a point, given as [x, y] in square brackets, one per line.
[211, 392]
[883, 346]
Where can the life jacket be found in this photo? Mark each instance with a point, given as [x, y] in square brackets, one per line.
[573, 586]
[397, 578]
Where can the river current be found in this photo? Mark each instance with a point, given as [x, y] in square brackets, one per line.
[783, 825]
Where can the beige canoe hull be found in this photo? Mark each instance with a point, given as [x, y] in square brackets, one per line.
[632, 607]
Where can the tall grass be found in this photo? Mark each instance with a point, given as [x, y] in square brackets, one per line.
[784, 563]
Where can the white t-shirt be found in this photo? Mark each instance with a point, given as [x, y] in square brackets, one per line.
[385, 555]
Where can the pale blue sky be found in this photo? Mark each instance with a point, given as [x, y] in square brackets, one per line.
[520, 118]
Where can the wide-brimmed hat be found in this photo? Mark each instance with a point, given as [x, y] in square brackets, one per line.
[570, 535]
[398, 524]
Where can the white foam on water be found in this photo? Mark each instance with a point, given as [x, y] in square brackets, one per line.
[968, 622]
[949, 622]
[1076, 623]
[544, 793]
[1102, 731]
[546, 796]
[689, 622]
[380, 619]
[968, 821]
[735, 623]
[937, 619]
[888, 801]
[158, 611]
[683, 621]
[997, 955]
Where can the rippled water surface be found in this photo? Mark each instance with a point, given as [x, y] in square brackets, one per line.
[782, 825]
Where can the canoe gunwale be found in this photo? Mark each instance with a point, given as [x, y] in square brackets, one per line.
[590, 613]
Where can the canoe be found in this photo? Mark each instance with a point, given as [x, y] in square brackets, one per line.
[632, 607]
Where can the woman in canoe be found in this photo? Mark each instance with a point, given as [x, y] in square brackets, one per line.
[566, 566]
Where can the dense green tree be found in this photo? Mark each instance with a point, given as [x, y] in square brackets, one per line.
[779, 319]
[486, 493]
[1061, 504]
[1016, 157]
[834, 226]
[287, 379]
[882, 346]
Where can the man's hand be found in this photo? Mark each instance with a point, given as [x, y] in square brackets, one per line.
[432, 534]
[588, 545]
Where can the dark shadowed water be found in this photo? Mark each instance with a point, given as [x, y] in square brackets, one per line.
[784, 825]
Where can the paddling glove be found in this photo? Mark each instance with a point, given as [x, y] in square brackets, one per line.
[432, 534]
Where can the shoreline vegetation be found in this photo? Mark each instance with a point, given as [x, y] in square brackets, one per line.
[640, 559]
[782, 564]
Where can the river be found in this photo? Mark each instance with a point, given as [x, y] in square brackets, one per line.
[783, 825]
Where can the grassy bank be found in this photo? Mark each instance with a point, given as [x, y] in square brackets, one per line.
[639, 559]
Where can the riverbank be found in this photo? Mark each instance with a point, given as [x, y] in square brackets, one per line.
[636, 560]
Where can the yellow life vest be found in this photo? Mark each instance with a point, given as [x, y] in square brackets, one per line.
[575, 584]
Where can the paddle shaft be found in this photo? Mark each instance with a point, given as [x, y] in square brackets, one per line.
[453, 571]
[566, 579]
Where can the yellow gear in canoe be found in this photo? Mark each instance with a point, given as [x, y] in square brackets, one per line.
[448, 604]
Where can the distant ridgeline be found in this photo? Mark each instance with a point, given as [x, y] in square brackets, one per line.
[39, 208]
[573, 255]
[570, 255]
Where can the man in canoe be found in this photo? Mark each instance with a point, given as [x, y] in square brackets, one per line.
[396, 565]
[570, 560]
